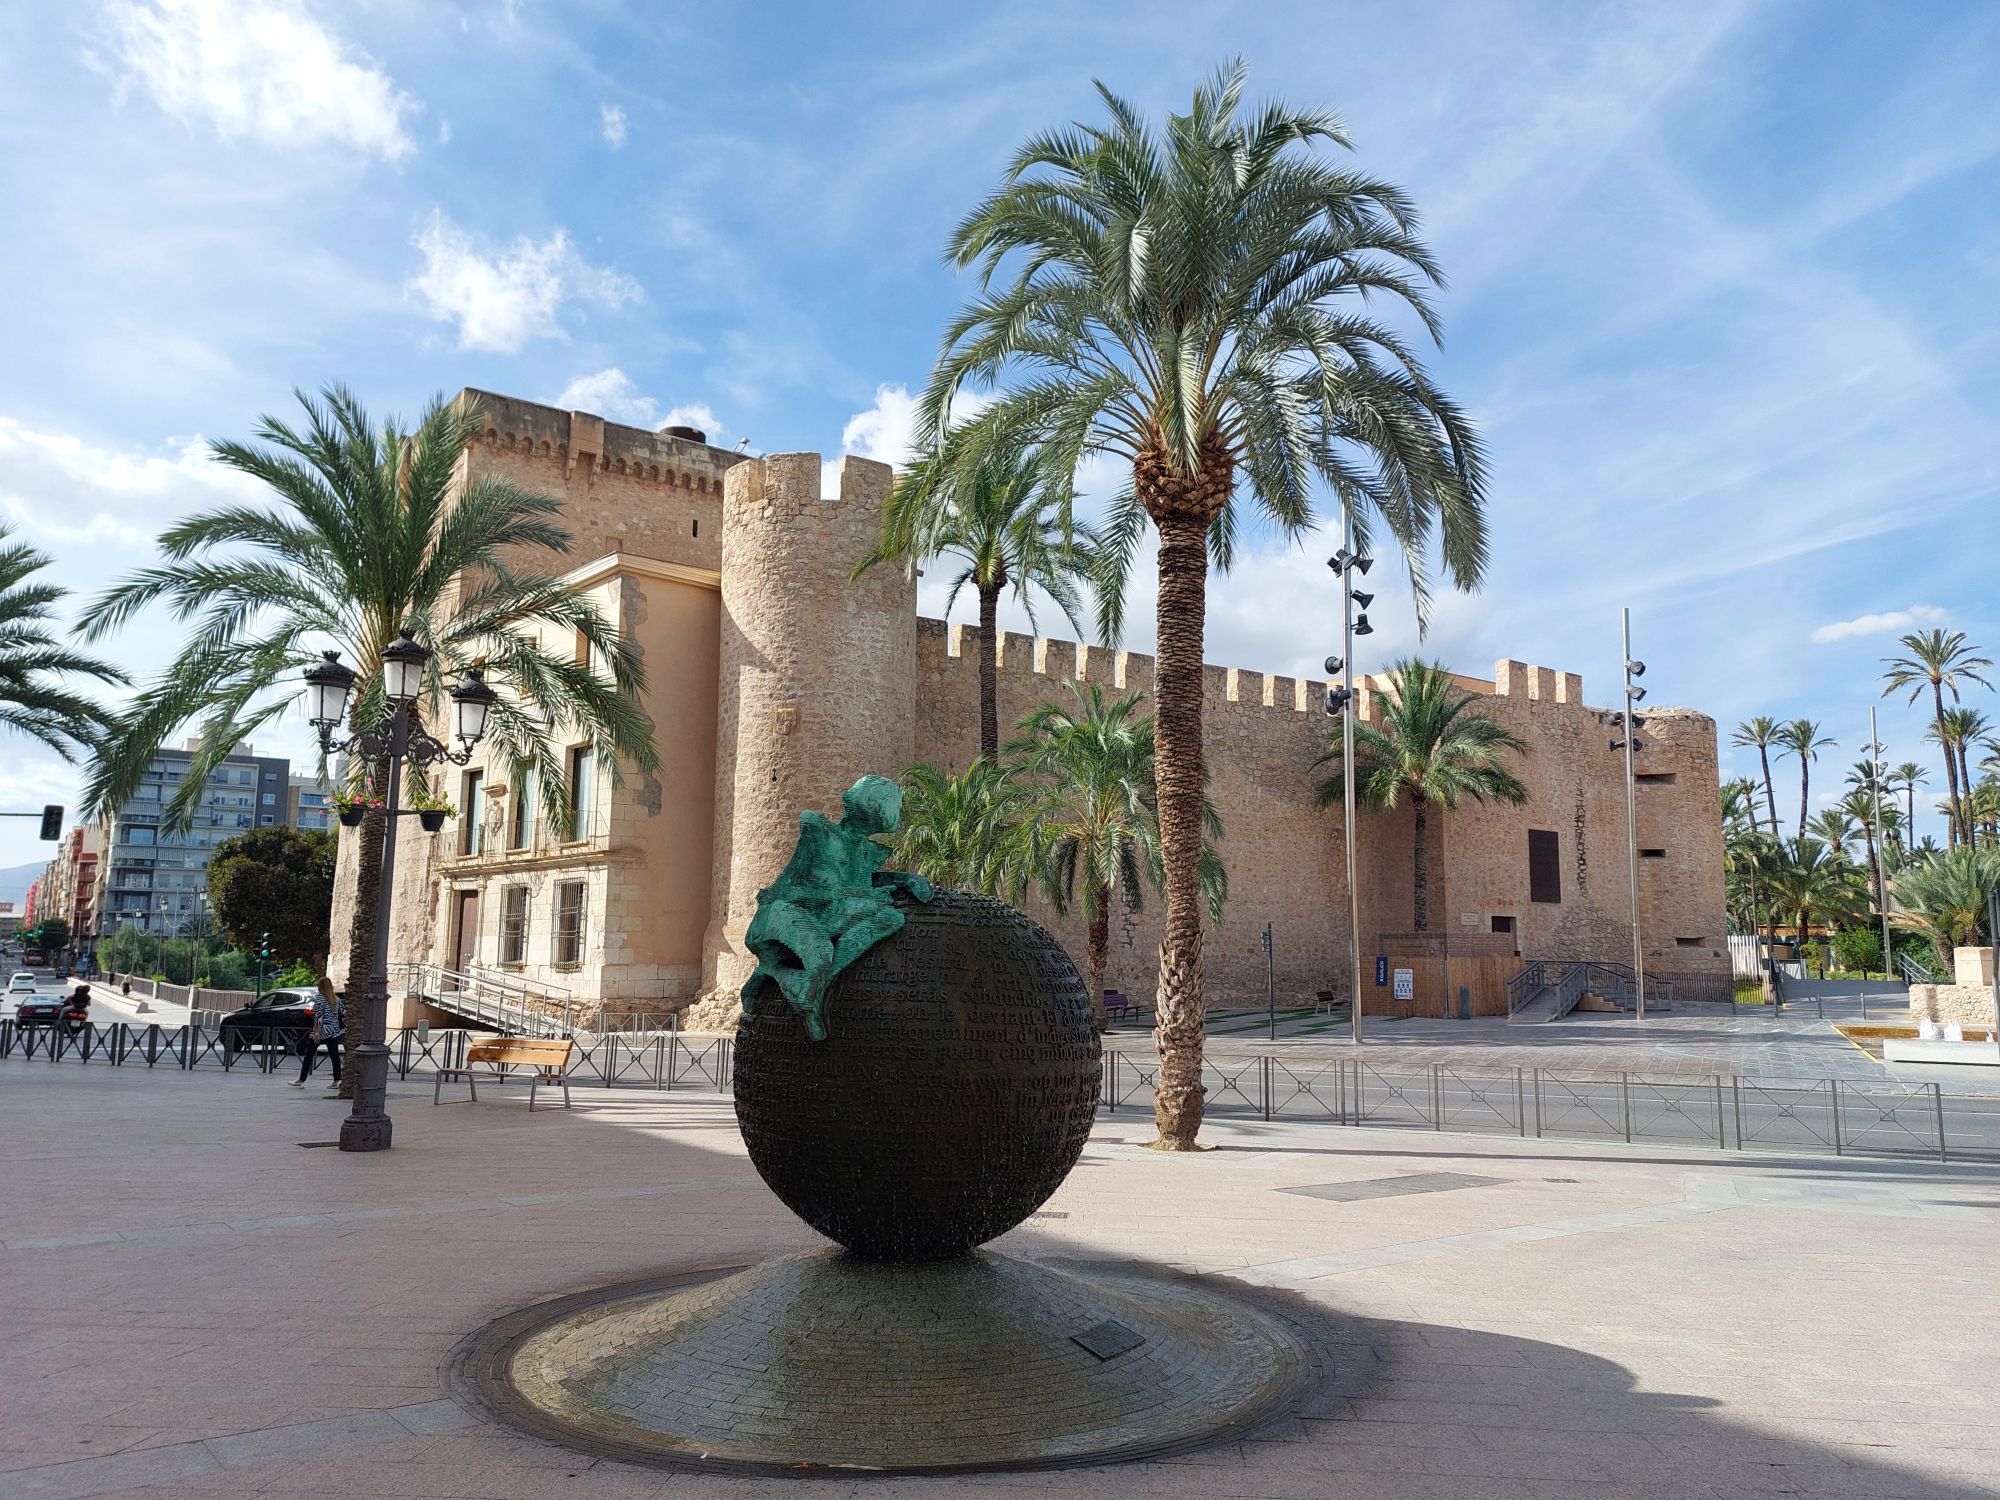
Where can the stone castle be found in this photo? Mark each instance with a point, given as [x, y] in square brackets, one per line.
[775, 678]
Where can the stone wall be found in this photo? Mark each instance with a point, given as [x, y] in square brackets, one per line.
[1969, 1005]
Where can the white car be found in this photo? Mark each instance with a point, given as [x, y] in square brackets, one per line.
[23, 983]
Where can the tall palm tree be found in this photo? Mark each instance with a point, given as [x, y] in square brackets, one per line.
[367, 532]
[1008, 520]
[1429, 740]
[32, 660]
[1801, 737]
[1835, 827]
[1187, 300]
[1957, 731]
[1864, 807]
[1909, 776]
[1943, 660]
[970, 830]
[1762, 732]
[1809, 883]
[1745, 844]
[1095, 815]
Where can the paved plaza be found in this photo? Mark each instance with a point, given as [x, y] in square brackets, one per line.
[198, 1305]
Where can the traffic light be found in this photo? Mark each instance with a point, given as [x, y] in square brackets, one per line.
[51, 822]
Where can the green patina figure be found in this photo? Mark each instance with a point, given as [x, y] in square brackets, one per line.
[832, 902]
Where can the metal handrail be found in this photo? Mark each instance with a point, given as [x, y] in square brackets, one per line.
[1916, 971]
[1526, 985]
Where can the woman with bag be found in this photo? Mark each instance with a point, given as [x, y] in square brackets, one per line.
[325, 1027]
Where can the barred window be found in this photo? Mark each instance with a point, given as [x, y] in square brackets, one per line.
[514, 924]
[1544, 866]
[569, 924]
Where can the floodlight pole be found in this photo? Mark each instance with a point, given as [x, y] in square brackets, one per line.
[1632, 819]
[1347, 770]
[1875, 817]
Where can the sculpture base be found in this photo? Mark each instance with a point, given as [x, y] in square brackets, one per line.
[824, 1360]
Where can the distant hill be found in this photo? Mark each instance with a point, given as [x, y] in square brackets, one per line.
[14, 883]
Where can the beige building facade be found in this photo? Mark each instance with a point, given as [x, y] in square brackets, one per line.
[775, 678]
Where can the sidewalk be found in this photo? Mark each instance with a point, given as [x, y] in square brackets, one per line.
[202, 1308]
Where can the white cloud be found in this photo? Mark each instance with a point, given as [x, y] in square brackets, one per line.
[610, 393]
[611, 125]
[261, 70]
[60, 487]
[1886, 623]
[501, 301]
[887, 430]
[694, 414]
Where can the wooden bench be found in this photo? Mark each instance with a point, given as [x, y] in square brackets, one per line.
[546, 1060]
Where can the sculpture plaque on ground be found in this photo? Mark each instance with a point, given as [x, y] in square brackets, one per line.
[916, 1072]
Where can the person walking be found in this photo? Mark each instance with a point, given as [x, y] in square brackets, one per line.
[325, 1027]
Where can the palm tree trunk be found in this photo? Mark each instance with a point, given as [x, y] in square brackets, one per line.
[1874, 869]
[1965, 781]
[1770, 792]
[361, 932]
[1950, 767]
[1805, 781]
[1181, 1001]
[1097, 946]
[989, 672]
[1420, 864]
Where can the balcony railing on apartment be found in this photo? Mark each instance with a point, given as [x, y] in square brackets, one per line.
[540, 837]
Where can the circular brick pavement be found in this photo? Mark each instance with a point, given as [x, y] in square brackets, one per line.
[821, 1361]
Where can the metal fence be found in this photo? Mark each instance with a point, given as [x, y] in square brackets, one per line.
[1722, 1111]
[661, 1060]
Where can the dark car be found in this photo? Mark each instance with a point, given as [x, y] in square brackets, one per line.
[276, 1018]
[66, 1011]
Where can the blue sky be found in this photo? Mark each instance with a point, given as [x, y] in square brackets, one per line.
[1723, 278]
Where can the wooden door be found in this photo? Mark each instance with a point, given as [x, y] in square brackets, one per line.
[467, 928]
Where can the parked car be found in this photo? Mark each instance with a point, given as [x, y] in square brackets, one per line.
[276, 1018]
[22, 983]
[65, 1011]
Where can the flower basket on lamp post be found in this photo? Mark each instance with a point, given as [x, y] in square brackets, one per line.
[352, 817]
[431, 818]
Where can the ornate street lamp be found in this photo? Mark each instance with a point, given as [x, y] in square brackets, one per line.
[396, 738]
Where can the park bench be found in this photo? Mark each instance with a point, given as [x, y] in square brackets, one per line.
[547, 1062]
[1116, 1007]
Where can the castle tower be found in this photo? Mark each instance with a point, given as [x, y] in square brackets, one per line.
[817, 685]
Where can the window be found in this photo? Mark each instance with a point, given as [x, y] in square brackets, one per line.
[1656, 778]
[581, 648]
[582, 768]
[569, 924]
[514, 924]
[521, 813]
[1544, 866]
[270, 799]
[1681, 942]
[471, 812]
[1652, 854]
[1503, 924]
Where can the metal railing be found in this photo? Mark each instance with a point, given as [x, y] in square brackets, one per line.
[1914, 970]
[1718, 1112]
[1525, 987]
[506, 1002]
[1569, 980]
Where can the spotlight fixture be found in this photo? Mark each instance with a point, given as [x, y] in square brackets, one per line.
[1364, 600]
[1636, 668]
[1333, 666]
[1336, 701]
[1362, 627]
[1363, 564]
[1638, 693]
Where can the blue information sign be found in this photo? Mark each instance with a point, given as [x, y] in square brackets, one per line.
[1381, 968]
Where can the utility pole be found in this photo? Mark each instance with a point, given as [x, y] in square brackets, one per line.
[1345, 564]
[1875, 765]
[1633, 693]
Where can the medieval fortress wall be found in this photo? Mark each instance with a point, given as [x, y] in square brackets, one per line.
[821, 676]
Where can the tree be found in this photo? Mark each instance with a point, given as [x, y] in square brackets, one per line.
[32, 699]
[969, 831]
[1009, 521]
[52, 934]
[1943, 660]
[1943, 898]
[1909, 776]
[1802, 738]
[1185, 301]
[1745, 845]
[1956, 731]
[1835, 827]
[1094, 816]
[1811, 883]
[370, 532]
[275, 881]
[1762, 732]
[1430, 741]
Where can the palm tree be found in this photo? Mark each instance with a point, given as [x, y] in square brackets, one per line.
[1428, 740]
[1834, 827]
[1942, 659]
[1802, 738]
[1810, 882]
[369, 533]
[1185, 301]
[1944, 898]
[970, 830]
[1909, 776]
[1762, 732]
[31, 658]
[1865, 808]
[1745, 844]
[1095, 815]
[1956, 730]
[1982, 807]
[1008, 519]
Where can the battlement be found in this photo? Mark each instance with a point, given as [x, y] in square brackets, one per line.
[578, 439]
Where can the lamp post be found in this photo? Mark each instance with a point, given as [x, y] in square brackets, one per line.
[1631, 746]
[1346, 563]
[1876, 766]
[397, 737]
